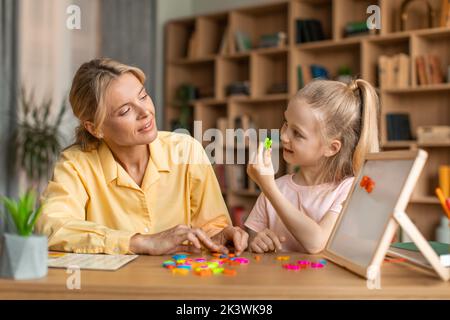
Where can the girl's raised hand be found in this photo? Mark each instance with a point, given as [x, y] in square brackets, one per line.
[260, 168]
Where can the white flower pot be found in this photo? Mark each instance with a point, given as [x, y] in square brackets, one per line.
[23, 258]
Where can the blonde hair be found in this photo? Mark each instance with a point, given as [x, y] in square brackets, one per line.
[87, 95]
[348, 113]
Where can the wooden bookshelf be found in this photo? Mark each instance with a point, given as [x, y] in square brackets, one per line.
[204, 64]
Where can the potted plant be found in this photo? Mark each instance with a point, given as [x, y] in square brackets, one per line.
[37, 137]
[23, 254]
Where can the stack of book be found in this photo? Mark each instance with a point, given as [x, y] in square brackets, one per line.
[308, 30]
[429, 69]
[398, 127]
[394, 71]
[275, 40]
[357, 28]
[238, 88]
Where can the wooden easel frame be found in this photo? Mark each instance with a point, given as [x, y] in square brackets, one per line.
[398, 218]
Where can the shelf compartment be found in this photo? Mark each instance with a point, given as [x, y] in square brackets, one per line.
[229, 70]
[373, 48]
[435, 43]
[346, 11]
[178, 34]
[211, 30]
[313, 9]
[258, 21]
[345, 55]
[269, 72]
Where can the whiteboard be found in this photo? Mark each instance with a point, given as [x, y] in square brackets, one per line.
[359, 231]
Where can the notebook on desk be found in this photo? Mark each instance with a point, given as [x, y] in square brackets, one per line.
[409, 250]
[89, 261]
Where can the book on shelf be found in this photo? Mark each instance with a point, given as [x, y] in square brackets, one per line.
[238, 88]
[398, 127]
[394, 71]
[308, 30]
[433, 134]
[243, 42]
[273, 40]
[357, 28]
[429, 69]
[319, 72]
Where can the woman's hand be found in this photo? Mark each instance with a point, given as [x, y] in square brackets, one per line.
[266, 241]
[260, 168]
[173, 240]
[234, 235]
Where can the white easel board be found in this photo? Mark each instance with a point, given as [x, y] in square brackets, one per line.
[369, 219]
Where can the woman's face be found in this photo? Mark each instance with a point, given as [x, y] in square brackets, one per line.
[130, 118]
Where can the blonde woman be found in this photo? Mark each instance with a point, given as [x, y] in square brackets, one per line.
[124, 187]
[329, 127]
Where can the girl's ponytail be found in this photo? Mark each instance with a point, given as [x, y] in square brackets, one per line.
[368, 136]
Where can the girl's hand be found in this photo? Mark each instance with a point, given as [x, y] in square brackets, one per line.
[260, 168]
[235, 235]
[266, 241]
[173, 240]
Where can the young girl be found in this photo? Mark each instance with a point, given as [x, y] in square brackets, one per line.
[329, 126]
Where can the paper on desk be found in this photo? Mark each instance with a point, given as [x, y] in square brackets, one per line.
[89, 261]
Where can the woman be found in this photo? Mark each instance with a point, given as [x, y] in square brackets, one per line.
[124, 187]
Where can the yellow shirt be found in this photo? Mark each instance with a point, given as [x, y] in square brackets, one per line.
[92, 205]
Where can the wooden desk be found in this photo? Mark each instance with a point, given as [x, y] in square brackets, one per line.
[144, 278]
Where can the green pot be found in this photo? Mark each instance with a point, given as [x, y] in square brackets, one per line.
[23, 258]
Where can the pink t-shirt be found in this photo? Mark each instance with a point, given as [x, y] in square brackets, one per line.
[315, 201]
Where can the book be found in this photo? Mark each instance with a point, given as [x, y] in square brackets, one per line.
[319, 72]
[441, 249]
[272, 40]
[308, 30]
[300, 80]
[382, 71]
[437, 76]
[421, 72]
[398, 126]
[89, 261]
[243, 42]
[404, 71]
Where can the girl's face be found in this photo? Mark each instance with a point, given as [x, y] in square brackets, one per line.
[130, 118]
[300, 136]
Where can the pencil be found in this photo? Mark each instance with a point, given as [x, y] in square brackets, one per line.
[441, 198]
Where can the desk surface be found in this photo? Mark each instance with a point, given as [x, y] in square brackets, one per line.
[144, 278]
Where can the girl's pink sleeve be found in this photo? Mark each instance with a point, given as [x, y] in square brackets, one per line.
[342, 193]
[258, 218]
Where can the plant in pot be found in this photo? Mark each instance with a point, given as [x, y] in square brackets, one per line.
[37, 137]
[23, 254]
